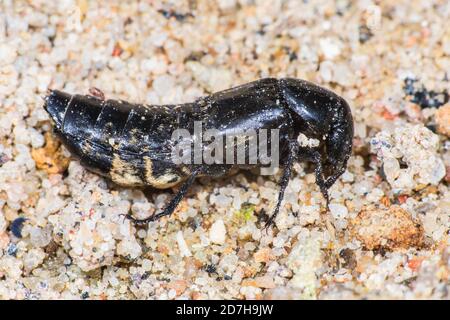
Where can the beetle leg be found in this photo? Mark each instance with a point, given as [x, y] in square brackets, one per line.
[284, 180]
[340, 171]
[331, 180]
[170, 208]
[323, 185]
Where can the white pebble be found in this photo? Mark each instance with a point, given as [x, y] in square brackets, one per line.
[223, 201]
[172, 294]
[326, 70]
[338, 210]
[348, 176]
[227, 4]
[217, 232]
[146, 264]
[163, 84]
[8, 54]
[330, 47]
[182, 245]
[37, 139]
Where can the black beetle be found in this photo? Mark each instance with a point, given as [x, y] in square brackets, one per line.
[131, 143]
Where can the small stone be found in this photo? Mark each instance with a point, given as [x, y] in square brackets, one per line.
[416, 148]
[447, 174]
[326, 70]
[304, 259]
[50, 158]
[282, 293]
[443, 120]
[265, 282]
[391, 169]
[304, 141]
[213, 79]
[182, 245]
[163, 84]
[8, 54]
[171, 294]
[348, 176]
[217, 232]
[373, 15]
[4, 240]
[227, 4]
[391, 229]
[146, 264]
[12, 249]
[349, 258]
[338, 210]
[222, 201]
[263, 255]
[33, 258]
[179, 286]
[129, 248]
[16, 226]
[40, 237]
[413, 111]
[330, 47]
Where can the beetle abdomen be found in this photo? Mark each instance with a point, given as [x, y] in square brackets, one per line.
[126, 142]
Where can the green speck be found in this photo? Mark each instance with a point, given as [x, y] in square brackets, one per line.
[246, 213]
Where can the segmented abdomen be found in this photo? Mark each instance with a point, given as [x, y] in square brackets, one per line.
[128, 143]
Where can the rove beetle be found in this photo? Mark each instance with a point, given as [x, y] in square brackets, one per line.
[131, 143]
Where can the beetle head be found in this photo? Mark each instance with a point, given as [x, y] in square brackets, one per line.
[338, 144]
[321, 114]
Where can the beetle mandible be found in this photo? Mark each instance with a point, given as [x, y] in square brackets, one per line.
[131, 143]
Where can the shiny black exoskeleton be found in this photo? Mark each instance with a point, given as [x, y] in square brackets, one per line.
[131, 143]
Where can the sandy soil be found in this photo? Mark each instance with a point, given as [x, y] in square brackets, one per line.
[387, 235]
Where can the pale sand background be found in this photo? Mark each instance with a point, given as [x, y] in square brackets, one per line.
[76, 245]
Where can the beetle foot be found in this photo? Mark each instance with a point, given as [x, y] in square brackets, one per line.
[324, 190]
[140, 222]
[269, 222]
[320, 181]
